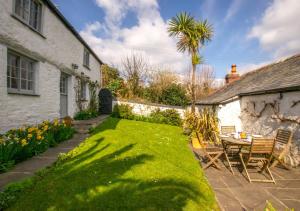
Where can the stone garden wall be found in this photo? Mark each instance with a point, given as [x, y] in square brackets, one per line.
[146, 108]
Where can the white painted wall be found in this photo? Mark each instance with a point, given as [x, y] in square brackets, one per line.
[229, 114]
[55, 52]
[146, 109]
[17, 110]
[266, 125]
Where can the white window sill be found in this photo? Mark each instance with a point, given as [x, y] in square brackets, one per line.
[21, 92]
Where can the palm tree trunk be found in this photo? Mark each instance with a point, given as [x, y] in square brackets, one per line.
[193, 85]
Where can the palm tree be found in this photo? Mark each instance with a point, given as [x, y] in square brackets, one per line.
[192, 35]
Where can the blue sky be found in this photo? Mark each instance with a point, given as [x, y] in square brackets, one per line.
[246, 33]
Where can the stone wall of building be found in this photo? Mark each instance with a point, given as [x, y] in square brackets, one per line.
[55, 50]
[17, 110]
[264, 114]
[228, 113]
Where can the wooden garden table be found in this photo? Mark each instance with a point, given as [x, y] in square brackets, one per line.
[229, 142]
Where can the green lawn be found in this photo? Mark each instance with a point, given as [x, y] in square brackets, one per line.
[125, 165]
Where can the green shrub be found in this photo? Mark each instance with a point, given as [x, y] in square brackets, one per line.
[174, 95]
[123, 111]
[114, 86]
[85, 114]
[20, 144]
[168, 116]
[203, 124]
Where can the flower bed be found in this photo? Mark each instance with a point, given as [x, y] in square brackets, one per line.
[17, 145]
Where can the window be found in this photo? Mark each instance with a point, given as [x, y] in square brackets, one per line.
[30, 12]
[83, 90]
[20, 74]
[86, 58]
[63, 84]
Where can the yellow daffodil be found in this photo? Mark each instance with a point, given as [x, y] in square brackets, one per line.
[55, 122]
[23, 142]
[45, 128]
[29, 136]
[39, 137]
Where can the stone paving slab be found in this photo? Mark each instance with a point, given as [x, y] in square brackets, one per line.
[234, 192]
[28, 167]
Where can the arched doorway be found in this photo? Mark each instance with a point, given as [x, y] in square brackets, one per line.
[105, 101]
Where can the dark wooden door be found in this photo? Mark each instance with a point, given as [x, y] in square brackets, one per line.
[105, 101]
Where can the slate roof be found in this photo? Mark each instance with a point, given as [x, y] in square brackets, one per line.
[54, 9]
[276, 77]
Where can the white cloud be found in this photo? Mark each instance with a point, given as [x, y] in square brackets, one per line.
[233, 9]
[279, 29]
[244, 68]
[148, 36]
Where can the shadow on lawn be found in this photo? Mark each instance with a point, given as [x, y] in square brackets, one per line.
[101, 184]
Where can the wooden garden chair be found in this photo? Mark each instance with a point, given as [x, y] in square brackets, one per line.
[211, 153]
[228, 129]
[260, 155]
[283, 142]
[232, 151]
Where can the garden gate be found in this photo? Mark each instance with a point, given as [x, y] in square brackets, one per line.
[105, 101]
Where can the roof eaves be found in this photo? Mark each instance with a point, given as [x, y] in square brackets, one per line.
[271, 91]
[71, 28]
[207, 103]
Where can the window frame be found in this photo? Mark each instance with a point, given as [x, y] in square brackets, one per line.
[33, 70]
[27, 21]
[86, 58]
[63, 84]
[83, 90]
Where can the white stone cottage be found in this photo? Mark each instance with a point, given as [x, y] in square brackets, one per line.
[40, 56]
[261, 101]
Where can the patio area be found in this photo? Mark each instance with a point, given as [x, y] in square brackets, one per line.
[234, 192]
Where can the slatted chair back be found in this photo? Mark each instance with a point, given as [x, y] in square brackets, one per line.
[228, 129]
[283, 142]
[283, 137]
[261, 152]
[262, 146]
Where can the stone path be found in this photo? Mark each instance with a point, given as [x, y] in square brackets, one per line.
[29, 167]
[234, 192]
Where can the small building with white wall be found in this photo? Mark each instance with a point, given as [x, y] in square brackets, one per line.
[42, 60]
[261, 101]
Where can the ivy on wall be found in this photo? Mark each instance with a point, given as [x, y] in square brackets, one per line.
[295, 103]
[93, 102]
[275, 108]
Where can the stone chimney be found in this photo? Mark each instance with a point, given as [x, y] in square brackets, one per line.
[232, 76]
